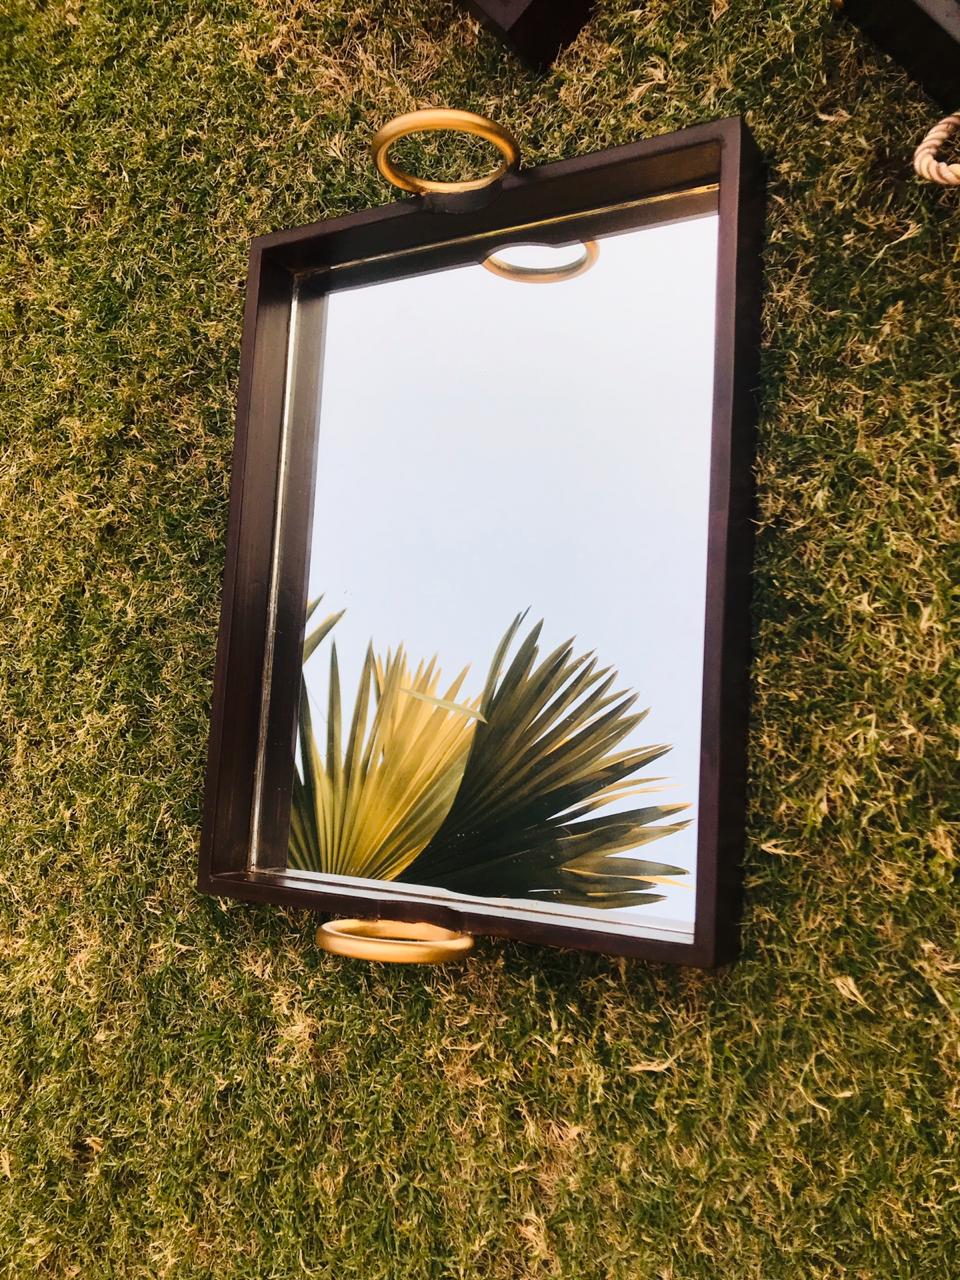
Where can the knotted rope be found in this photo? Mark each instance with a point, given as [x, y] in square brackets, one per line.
[925, 157]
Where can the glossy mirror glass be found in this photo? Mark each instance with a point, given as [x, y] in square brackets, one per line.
[502, 680]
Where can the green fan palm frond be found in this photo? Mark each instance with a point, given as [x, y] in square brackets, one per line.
[367, 804]
[548, 753]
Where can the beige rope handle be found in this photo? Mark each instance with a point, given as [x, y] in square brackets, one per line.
[925, 157]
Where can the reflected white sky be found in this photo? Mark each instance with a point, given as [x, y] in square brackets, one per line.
[487, 446]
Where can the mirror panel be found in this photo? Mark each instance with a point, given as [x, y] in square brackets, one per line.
[507, 565]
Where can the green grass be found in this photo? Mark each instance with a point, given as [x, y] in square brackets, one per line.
[190, 1089]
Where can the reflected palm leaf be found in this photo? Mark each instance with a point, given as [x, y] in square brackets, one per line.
[547, 754]
[368, 805]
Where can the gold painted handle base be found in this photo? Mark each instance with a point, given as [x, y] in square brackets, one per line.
[392, 941]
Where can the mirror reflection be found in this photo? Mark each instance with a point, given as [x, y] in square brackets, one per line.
[503, 659]
[543, 264]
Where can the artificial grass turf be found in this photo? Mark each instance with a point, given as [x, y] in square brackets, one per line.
[190, 1089]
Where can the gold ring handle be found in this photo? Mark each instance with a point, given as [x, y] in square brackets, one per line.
[545, 275]
[392, 941]
[442, 119]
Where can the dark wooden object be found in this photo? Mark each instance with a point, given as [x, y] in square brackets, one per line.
[247, 798]
[922, 35]
[536, 29]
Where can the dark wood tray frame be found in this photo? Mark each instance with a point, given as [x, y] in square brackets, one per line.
[535, 29]
[246, 808]
[922, 35]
